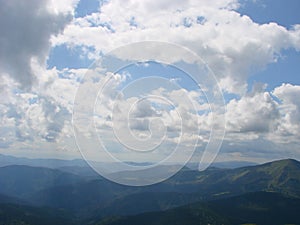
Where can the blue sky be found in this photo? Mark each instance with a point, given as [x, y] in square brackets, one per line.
[251, 46]
[266, 11]
[285, 14]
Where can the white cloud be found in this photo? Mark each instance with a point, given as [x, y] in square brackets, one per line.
[65, 7]
[232, 45]
[288, 93]
[39, 119]
[255, 113]
[289, 128]
[273, 117]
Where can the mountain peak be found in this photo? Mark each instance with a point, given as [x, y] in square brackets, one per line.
[284, 163]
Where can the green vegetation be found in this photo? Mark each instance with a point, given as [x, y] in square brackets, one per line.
[11, 214]
[262, 195]
[260, 208]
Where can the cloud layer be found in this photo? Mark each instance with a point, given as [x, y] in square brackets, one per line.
[232, 45]
[36, 109]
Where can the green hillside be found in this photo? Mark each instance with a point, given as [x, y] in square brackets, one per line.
[92, 201]
[23, 181]
[260, 208]
[11, 214]
[281, 176]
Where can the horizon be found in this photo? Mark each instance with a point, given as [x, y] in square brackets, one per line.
[145, 81]
[145, 162]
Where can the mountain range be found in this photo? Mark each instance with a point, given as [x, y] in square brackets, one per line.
[74, 194]
[265, 208]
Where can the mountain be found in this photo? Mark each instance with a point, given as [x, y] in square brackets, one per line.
[81, 198]
[260, 208]
[285, 176]
[265, 208]
[23, 181]
[224, 165]
[102, 197]
[6, 160]
[12, 200]
[143, 202]
[199, 216]
[281, 176]
[11, 214]
[83, 171]
[99, 198]
[80, 192]
[233, 164]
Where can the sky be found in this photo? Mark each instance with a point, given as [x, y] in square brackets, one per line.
[62, 89]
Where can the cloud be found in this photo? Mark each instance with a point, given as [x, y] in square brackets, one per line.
[255, 113]
[263, 125]
[143, 108]
[289, 94]
[233, 45]
[39, 119]
[26, 28]
[40, 113]
[289, 128]
[270, 116]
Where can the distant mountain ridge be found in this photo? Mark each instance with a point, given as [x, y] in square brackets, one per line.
[224, 165]
[93, 198]
[21, 181]
[6, 160]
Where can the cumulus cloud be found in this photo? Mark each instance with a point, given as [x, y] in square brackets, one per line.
[26, 29]
[265, 117]
[144, 108]
[40, 117]
[288, 93]
[233, 45]
[289, 128]
[255, 113]
[32, 111]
